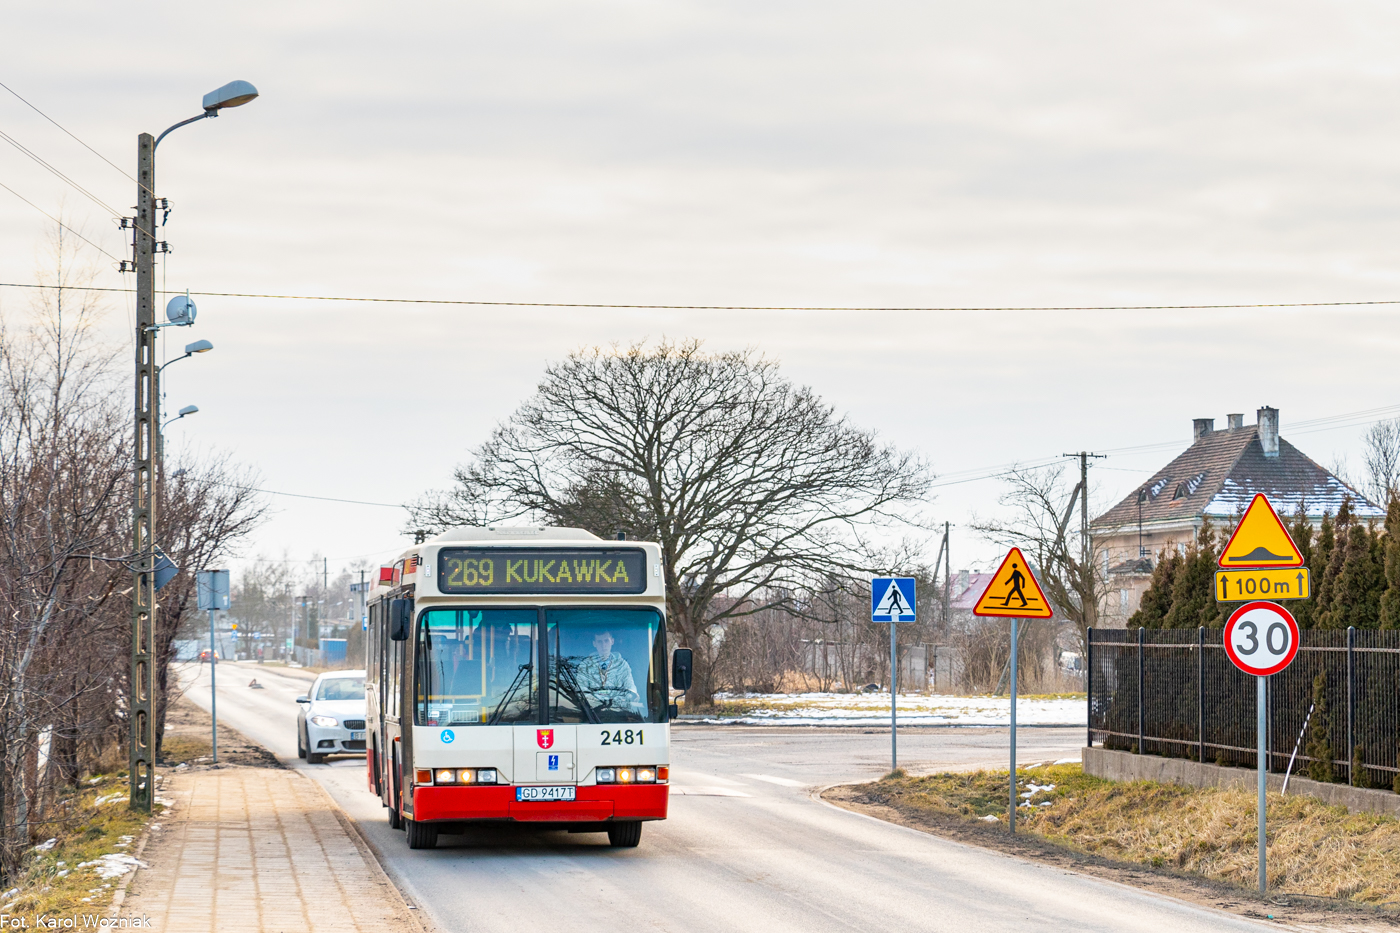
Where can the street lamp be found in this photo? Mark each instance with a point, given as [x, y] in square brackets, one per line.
[199, 346]
[141, 704]
[187, 410]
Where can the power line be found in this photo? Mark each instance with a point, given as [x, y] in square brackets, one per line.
[83, 288]
[65, 130]
[681, 307]
[79, 188]
[300, 495]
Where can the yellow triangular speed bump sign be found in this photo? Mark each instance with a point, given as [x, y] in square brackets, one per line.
[1014, 591]
[1261, 540]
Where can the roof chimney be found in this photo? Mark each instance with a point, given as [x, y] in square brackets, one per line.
[1236, 421]
[1201, 427]
[1268, 430]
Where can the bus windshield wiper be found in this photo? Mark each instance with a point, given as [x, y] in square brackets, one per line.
[510, 694]
[571, 686]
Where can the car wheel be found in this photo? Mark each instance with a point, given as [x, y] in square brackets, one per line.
[314, 759]
[301, 746]
[625, 835]
[422, 835]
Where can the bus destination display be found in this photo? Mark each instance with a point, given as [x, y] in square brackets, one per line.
[542, 570]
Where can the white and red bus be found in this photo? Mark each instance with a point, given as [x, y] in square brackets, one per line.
[519, 674]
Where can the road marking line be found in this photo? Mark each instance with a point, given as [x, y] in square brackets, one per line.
[782, 782]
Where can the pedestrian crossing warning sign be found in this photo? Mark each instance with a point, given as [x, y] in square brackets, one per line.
[1260, 540]
[1014, 591]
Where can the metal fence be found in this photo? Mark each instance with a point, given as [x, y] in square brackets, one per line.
[1173, 692]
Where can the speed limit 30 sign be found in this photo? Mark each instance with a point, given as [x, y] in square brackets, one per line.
[1261, 638]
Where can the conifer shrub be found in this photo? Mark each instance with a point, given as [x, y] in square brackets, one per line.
[1319, 747]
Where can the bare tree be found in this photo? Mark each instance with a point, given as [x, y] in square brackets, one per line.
[65, 473]
[751, 485]
[1382, 459]
[1044, 530]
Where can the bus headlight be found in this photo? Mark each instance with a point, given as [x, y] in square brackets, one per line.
[606, 776]
[445, 776]
[625, 775]
[466, 776]
[646, 775]
[486, 776]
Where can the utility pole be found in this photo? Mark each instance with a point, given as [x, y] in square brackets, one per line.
[142, 699]
[1086, 552]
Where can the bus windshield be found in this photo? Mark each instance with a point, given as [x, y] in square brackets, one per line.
[605, 665]
[476, 667]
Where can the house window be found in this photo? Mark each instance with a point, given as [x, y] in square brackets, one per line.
[1123, 601]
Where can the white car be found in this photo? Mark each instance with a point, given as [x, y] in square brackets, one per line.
[332, 717]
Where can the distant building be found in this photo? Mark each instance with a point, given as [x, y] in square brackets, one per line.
[1215, 477]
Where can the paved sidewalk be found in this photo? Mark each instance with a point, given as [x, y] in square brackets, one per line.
[259, 849]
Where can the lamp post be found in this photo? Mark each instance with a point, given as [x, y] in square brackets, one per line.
[141, 705]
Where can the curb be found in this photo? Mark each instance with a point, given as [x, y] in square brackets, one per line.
[369, 851]
[119, 897]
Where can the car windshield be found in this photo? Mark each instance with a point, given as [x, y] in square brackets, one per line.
[341, 688]
[605, 665]
[476, 667]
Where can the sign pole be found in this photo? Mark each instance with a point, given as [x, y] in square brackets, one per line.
[1263, 732]
[894, 692]
[1012, 819]
[213, 696]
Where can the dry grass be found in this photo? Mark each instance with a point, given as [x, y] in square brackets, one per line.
[60, 881]
[1314, 849]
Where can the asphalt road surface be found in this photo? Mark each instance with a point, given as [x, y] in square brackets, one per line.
[747, 846]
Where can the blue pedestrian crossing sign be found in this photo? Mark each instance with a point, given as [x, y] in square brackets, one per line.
[892, 599]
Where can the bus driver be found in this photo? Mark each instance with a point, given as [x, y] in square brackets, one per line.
[607, 677]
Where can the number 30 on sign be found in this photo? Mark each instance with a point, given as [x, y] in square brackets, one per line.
[1261, 638]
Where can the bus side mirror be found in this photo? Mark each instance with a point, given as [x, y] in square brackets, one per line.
[682, 663]
[400, 619]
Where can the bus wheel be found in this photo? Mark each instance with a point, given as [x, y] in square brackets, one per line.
[395, 819]
[625, 835]
[424, 835]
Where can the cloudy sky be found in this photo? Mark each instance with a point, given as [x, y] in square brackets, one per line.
[989, 155]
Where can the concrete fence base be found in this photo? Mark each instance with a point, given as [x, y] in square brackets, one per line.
[1125, 766]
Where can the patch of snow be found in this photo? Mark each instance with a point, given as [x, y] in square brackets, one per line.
[114, 865]
[872, 709]
[988, 819]
[96, 780]
[62, 874]
[46, 846]
[109, 798]
[1067, 761]
[1034, 788]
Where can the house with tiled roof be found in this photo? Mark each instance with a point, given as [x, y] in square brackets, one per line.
[1215, 478]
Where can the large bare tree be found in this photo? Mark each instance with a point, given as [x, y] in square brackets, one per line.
[752, 486]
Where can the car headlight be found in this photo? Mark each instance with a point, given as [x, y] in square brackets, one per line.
[324, 722]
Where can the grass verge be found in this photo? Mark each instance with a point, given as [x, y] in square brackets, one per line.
[1314, 849]
[75, 870]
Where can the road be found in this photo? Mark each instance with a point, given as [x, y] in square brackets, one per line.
[747, 846]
